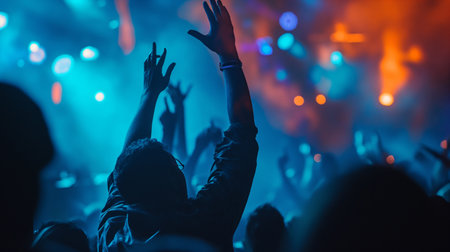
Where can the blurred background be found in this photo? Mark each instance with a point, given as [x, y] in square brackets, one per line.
[328, 78]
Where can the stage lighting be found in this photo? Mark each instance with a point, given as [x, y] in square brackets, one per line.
[114, 24]
[3, 20]
[33, 46]
[89, 53]
[299, 101]
[298, 50]
[99, 96]
[386, 99]
[317, 158]
[444, 144]
[304, 148]
[37, 56]
[390, 159]
[56, 93]
[264, 46]
[62, 64]
[321, 99]
[286, 41]
[290, 173]
[336, 58]
[281, 75]
[288, 21]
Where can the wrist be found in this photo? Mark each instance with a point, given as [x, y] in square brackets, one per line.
[230, 56]
[148, 96]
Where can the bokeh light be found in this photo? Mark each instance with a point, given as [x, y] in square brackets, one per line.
[89, 53]
[62, 64]
[281, 75]
[264, 45]
[288, 21]
[37, 57]
[321, 99]
[386, 99]
[56, 93]
[3, 20]
[317, 158]
[390, 159]
[444, 144]
[33, 46]
[290, 173]
[336, 58]
[298, 100]
[286, 41]
[304, 148]
[99, 96]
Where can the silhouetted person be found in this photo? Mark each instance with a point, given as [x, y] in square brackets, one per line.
[59, 236]
[265, 230]
[147, 191]
[373, 209]
[25, 149]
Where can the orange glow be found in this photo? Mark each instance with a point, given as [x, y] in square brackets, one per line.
[390, 159]
[386, 99]
[56, 93]
[415, 54]
[299, 101]
[392, 70]
[342, 36]
[444, 144]
[321, 99]
[317, 158]
[126, 29]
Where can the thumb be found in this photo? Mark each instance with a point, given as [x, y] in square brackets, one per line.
[198, 36]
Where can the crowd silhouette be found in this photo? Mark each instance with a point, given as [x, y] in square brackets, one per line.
[156, 202]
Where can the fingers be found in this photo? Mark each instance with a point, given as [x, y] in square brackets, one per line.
[198, 36]
[162, 59]
[215, 8]
[223, 11]
[169, 71]
[153, 55]
[187, 91]
[210, 14]
[167, 103]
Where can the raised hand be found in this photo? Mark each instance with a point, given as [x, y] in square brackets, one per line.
[220, 38]
[168, 118]
[154, 80]
[177, 95]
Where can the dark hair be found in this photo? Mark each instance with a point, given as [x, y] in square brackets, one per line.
[375, 208]
[265, 229]
[55, 236]
[147, 175]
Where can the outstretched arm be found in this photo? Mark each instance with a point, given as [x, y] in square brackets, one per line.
[178, 98]
[221, 40]
[154, 83]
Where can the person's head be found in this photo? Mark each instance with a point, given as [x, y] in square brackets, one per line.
[265, 229]
[25, 149]
[147, 175]
[60, 236]
[371, 209]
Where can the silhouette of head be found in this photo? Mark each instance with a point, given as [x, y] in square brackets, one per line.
[58, 236]
[147, 175]
[25, 149]
[371, 209]
[265, 229]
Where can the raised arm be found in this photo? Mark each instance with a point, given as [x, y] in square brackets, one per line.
[178, 98]
[154, 83]
[221, 40]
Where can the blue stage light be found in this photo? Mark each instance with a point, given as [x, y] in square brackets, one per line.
[89, 53]
[36, 57]
[281, 75]
[286, 41]
[298, 50]
[288, 21]
[33, 46]
[290, 173]
[304, 148]
[3, 20]
[264, 46]
[62, 64]
[336, 58]
[114, 24]
[99, 96]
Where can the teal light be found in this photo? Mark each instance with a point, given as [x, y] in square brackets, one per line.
[286, 41]
[336, 58]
